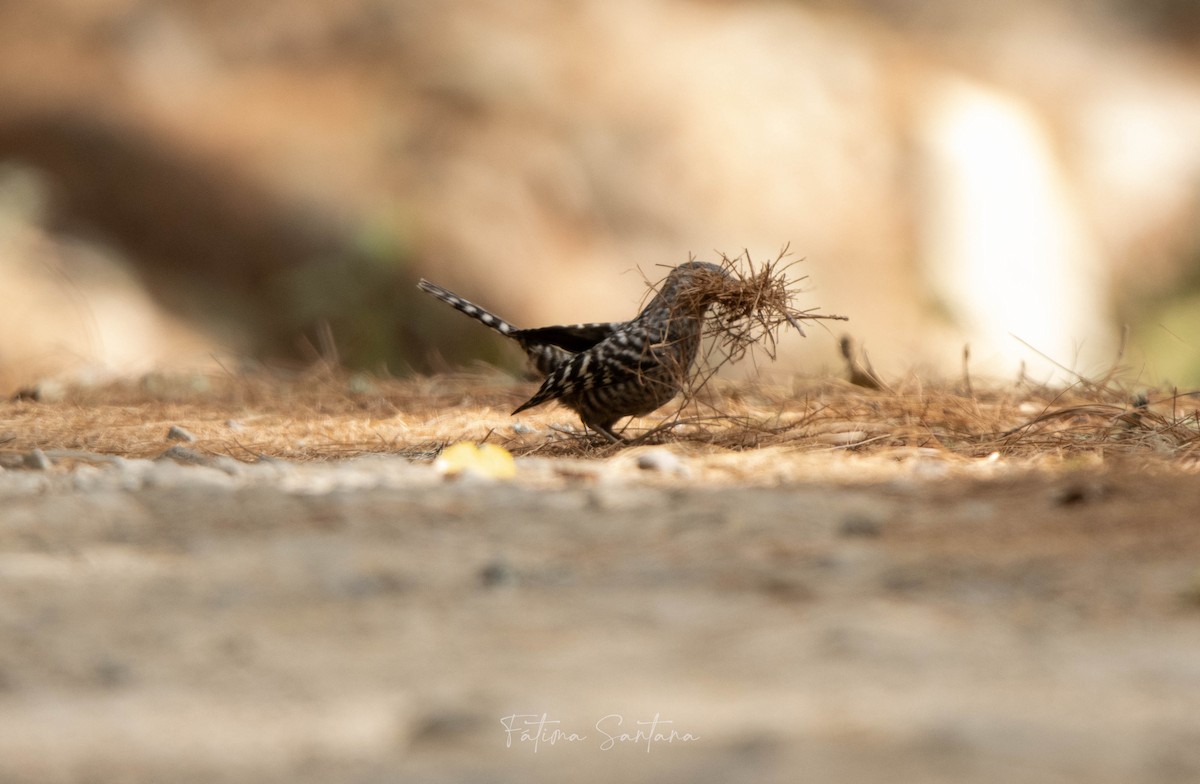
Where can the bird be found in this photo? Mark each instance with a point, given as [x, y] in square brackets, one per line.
[606, 371]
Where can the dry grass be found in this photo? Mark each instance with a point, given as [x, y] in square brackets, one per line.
[325, 413]
[329, 415]
[752, 303]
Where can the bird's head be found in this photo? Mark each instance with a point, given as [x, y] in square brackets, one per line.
[693, 286]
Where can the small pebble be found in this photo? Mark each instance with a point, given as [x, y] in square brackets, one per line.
[38, 461]
[185, 455]
[1080, 492]
[497, 573]
[182, 454]
[177, 433]
[663, 461]
[89, 478]
[112, 673]
[361, 384]
[447, 726]
[858, 525]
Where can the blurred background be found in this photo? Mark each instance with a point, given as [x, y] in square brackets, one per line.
[189, 179]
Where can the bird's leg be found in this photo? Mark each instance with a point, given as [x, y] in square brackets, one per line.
[606, 431]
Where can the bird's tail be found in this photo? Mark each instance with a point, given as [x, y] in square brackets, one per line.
[467, 307]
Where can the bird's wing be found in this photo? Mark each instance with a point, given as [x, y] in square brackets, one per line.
[571, 337]
[624, 356]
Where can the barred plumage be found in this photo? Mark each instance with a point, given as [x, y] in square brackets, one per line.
[546, 347]
[608, 371]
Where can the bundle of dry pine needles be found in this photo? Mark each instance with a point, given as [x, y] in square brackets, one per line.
[752, 301]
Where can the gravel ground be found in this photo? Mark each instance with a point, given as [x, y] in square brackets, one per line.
[370, 621]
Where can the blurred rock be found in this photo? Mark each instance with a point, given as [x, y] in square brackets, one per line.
[662, 461]
[949, 173]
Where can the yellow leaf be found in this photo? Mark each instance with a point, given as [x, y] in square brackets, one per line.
[487, 461]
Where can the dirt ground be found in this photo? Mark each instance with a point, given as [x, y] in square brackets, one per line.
[893, 612]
